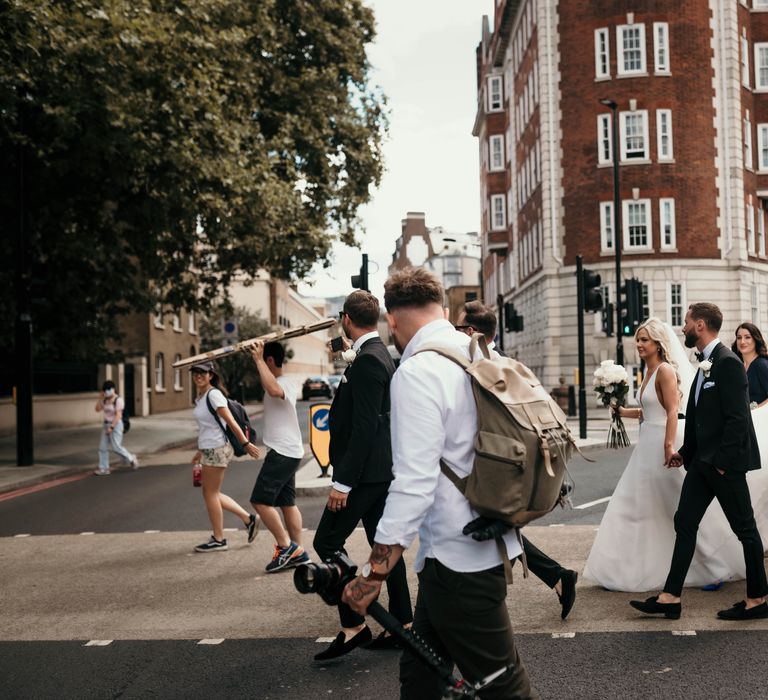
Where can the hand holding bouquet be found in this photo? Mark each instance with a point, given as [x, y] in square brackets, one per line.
[612, 385]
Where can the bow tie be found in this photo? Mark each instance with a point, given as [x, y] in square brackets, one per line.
[700, 356]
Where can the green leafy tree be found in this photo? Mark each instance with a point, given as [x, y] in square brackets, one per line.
[165, 146]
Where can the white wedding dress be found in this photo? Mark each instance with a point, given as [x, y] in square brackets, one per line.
[633, 547]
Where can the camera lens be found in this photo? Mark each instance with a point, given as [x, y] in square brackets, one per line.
[311, 578]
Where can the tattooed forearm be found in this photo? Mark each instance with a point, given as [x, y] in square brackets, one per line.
[360, 589]
[381, 554]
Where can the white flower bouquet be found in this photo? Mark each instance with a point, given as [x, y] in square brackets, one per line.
[611, 383]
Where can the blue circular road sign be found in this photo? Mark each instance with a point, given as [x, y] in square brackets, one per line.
[320, 419]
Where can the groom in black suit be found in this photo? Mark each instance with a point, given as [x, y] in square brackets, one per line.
[719, 448]
[361, 455]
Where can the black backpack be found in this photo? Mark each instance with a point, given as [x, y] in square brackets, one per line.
[126, 419]
[241, 418]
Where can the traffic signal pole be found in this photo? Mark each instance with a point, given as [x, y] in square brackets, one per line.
[580, 327]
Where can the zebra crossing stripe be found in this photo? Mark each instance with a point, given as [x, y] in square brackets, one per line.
[210, 641]
[683, 633]
[563, 635]
[99, 643]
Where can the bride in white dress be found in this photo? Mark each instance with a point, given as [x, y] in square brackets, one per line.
[634, 543]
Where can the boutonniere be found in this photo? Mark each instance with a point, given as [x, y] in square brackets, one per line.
[348, 356]
[706, 367]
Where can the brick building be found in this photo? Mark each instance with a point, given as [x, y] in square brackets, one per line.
[690, 85]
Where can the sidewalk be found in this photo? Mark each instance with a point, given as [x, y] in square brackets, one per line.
[65, 452]
[159, 439]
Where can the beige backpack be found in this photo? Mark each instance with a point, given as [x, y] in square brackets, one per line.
[522, 444]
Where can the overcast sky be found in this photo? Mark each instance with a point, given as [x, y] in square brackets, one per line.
[424, 59]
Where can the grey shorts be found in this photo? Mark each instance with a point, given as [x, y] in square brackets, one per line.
[218, 456]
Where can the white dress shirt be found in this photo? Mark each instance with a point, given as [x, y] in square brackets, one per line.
[434, 416]
[706, 352]
[343, 488]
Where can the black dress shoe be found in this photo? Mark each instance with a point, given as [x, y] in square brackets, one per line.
[339, 647]
[568, 597]
[740, 612]
[652, 606]
[384, 642]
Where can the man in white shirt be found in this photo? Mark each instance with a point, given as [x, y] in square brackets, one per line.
[461, 604]
[276, 484]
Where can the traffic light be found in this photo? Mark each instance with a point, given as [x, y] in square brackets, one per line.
[593, 296]
[513, 322]
[606, 324]
[632, 308]
[361, 281]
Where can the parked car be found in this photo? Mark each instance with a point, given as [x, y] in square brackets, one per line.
[334, 380]
[316, 386]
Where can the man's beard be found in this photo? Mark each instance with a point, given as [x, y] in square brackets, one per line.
[690, 340]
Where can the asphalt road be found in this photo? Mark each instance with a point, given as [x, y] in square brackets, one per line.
[624, 658]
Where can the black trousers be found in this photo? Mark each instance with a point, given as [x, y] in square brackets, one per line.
[464, 618]
[366, 503]
[702, 484]
[540, 565]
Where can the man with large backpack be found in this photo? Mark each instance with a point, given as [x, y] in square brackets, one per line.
[476, 317]
[461, 604]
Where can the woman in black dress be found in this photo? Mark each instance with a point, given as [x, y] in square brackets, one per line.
[751, 348]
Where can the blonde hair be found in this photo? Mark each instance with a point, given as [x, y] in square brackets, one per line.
[657, 332]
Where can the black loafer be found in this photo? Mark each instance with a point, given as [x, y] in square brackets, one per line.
[339, 647]
[651, 606]
[384, 642]
[568, 597]
[740, 611]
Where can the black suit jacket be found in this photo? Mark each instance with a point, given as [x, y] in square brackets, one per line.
[360, 448]
[719, 429]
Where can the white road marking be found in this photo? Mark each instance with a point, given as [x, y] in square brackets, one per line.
[87, 533]
[23, 534]
[684, 633]
[99, 643]
[151, 532]
[557, 524]
[324, 640]
[563, 635]
[592, 503]
[231, 529]
[210, 641]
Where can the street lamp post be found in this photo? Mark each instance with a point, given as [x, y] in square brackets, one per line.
[616, 224]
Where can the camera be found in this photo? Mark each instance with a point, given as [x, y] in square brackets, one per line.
[328, 579]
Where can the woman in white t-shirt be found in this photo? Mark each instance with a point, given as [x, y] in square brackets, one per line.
[214, 453]
[112, 406]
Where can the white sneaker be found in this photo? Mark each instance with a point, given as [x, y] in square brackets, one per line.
[102, 472]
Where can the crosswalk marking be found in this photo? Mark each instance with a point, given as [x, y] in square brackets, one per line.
[325, 640]
[23, 534]
[593, 503]
[684, 633]
[87, 533]
[210, 641]
[563, 635]
[151, 532]
[99, 643]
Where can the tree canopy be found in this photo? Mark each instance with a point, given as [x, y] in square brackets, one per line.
[169, 145]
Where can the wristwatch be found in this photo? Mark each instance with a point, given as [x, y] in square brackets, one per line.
[367, 572]
[247, 442]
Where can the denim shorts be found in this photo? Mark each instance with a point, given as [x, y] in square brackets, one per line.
[276, 484]
[218, 456]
